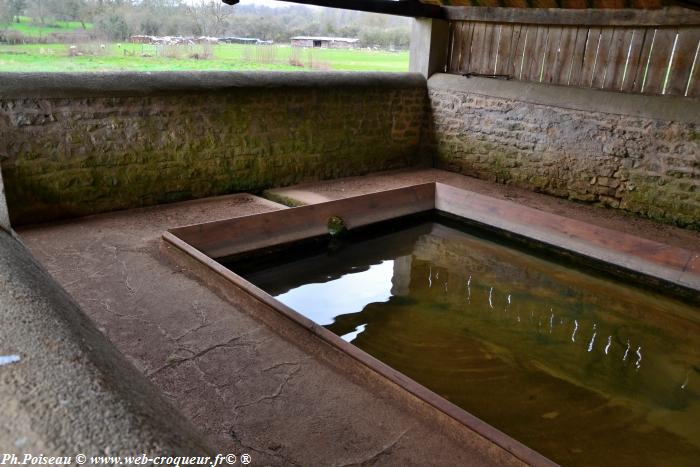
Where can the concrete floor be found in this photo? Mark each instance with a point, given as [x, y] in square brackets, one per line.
[245, 386]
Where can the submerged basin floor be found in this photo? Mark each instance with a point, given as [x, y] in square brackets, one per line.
[584, 369]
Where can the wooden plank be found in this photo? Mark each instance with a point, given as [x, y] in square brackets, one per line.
[451, 45]
[590, 57]
[552, 54]
[457, 45]
[506, 48]
[536, 52]
[477, 48]
[577, 17]
[488, 57]
[688, 39]
[644, 59]
[510, 56]
[604, 51]
[520, 58]
[617, 58]
[658, 64]
[634, 55]
[572, 74]
[693, 86]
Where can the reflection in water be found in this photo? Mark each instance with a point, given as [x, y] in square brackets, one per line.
[323, 301]
[613, 406]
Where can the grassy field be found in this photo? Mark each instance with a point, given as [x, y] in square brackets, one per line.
[135, 57]
[28, 28]
[93, 57]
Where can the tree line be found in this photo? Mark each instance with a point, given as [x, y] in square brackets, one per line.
[119, 19]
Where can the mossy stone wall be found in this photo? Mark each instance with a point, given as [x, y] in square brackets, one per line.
[643, 160]
[79, 155]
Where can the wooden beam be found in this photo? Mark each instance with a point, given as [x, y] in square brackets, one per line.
[673, 16]
[411, 8]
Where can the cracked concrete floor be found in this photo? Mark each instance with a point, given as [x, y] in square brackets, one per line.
[246, 387]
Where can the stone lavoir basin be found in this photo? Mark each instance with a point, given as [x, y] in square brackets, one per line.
[580, 343]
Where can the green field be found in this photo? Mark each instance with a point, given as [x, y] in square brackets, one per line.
[28, 28]
[96, 56]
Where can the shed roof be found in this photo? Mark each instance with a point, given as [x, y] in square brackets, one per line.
[323, 38]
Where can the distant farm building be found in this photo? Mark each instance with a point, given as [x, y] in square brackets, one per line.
[244, 40]
[325, 42]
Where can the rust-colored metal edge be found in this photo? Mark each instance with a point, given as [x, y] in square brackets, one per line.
[475, 424]
[227, 237]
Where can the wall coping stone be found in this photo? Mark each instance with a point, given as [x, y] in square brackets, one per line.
[666, 108]
[72, 85]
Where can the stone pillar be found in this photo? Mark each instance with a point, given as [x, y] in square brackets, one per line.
[429, 41]
[4, 215]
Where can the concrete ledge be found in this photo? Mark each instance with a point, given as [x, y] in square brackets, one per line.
[61, 85]
[667, 108]
[64, 389]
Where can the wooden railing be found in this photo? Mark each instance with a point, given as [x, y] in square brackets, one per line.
[638, 51]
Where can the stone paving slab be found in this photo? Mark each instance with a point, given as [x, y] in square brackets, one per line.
[244, 386]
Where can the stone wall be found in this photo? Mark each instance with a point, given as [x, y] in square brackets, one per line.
[638, 153]
[72, 145]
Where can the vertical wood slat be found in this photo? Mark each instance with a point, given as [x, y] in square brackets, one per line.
[478, 41]
[507, 64]
[693, 86]
[683, 60]
[520, 53]
[644, 59]
[565, 52]
[535, 53]
[573, 75]
[659, 60]
[617, 57]
[469, 46]
[604, 52]
[503, 51]
[634, 57]
[552, 55]
[590, 57]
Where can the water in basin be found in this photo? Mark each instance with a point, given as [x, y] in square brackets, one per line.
[584, 369]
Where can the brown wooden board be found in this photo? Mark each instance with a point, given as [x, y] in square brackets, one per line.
[552, 55]
[488, 56]
[590, 57]
[683, 57]
[573, 74]
[521, 63]
[565, 52]
[604, 56]
[634, 56]
[477, 49]
[617, 58]
[507, 62]
[460, 45]
[504, 41]
[644, 59]
[693, 87]
[536, 52]
[451, 43]
[577, 17]
[663, 44]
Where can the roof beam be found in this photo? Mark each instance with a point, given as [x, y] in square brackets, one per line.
[412, 8]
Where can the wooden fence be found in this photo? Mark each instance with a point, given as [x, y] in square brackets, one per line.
[637, 51]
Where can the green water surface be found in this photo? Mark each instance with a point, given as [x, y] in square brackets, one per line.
[585, 370]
